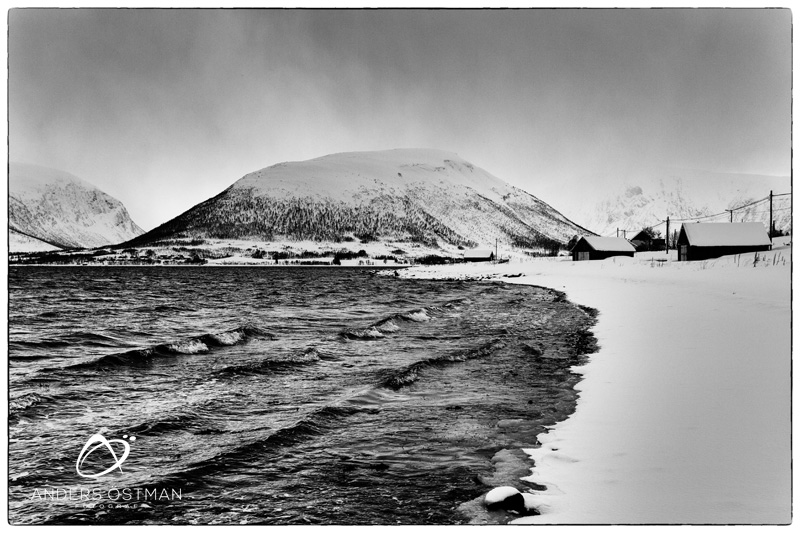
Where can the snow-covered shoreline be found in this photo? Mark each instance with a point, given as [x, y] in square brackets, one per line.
[684, 414]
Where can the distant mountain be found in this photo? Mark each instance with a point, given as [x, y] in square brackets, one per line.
[423, 196]
[647, 202]
[21, 243]
[52, 208]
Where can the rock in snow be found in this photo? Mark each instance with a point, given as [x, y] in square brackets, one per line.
[507, 498]
[51, 209]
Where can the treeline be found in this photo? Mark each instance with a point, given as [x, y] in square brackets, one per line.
[237, 214]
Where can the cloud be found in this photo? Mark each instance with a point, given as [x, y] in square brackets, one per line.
[164, 108]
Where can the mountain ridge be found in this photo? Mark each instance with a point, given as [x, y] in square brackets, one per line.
[62, 210]
[405, 195]
[640, 204]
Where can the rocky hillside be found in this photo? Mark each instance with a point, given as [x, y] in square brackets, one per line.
[422, 196]
[51, 208]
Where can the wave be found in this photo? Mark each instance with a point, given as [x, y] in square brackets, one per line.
[420, 315]
[410, 374]
[28, 357]
[39, 344]
[388, 326]
[363, 334]
[245, 454]
[83, 338]
[307, 356]
[202, 344]
[162, 308]
[21, 403]
[391, 324]
[183, 421]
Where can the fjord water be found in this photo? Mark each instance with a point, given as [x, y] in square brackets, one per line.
[276, 395]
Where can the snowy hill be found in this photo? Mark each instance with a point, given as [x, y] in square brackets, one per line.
[421, 196]
[51, 209]
[647, 202]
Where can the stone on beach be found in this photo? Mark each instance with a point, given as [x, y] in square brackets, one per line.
[507, 498]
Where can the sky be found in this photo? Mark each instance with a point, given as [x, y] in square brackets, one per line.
[163, 109]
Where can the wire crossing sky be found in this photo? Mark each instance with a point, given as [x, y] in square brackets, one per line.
[163, 109]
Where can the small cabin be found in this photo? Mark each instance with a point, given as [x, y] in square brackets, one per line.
[473, 256]
[699, 241]
[592, 248]
[643, 242]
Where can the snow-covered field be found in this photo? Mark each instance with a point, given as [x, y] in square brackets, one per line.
[684, 414]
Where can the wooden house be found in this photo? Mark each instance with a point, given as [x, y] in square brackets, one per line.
[708, 240]
[591, 248]
[643, 242]
[472, 256]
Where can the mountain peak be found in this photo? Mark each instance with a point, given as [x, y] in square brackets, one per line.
[62, 210]
[403, 195]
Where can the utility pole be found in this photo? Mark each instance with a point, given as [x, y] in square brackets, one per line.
[496, 259]
[666, 240]
[771, 222]
[618, 233]
[731, 212]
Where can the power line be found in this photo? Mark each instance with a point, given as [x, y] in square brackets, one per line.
[727, 213]
[751, 203]
[734, 209]
[697, 218]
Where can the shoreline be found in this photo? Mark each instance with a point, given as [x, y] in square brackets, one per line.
[452, 408]
[689, 353]
[362, 267]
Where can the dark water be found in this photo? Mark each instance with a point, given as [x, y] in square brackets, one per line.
[275, 396]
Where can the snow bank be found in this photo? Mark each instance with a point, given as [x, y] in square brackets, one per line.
[684, 413]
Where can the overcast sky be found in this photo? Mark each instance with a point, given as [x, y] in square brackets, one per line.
[164, 108]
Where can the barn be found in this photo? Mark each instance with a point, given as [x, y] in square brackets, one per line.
[699, 241]
[478, 255]
[590, 248]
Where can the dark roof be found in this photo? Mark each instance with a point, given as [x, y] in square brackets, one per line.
[642, 236]
[478, 254]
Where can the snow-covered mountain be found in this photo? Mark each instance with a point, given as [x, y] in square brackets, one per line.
[51, 209]
[647, 202]
[21, 243]
[423, 196]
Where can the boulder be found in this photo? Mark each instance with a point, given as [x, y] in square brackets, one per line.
[507, 498]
